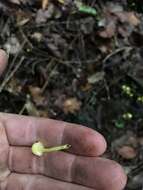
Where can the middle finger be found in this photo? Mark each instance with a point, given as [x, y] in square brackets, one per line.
[94, 172]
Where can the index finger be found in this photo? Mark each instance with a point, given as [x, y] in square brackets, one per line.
[25, 130]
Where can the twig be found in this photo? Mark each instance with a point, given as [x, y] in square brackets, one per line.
[11, 74]
[116, 52]
[25, 38]
[22, 109]
[14, 59]
[50, 75]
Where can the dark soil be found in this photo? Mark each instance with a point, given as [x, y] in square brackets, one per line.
[77, 67]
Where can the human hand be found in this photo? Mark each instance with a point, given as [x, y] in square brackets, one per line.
[79, 168]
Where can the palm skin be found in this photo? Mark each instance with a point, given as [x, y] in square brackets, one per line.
[79, 168]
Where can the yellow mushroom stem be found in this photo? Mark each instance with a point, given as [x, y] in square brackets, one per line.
[57, 148]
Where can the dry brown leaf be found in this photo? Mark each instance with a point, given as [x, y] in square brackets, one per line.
[109, 31]
[32, 110]
[45, 4]
[43, 113]
[22, 17]
[128, 17]
[114, 15]
[14, 86]
[86, 87]
[36, 95]
[71, 105]
[127, 152]
[132, 18]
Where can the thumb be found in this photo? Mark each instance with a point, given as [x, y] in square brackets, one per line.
[3, 60]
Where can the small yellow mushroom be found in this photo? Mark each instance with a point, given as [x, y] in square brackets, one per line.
[127, 116]
[38, 148]
[140, 99]
[61, 1]
[127, 90]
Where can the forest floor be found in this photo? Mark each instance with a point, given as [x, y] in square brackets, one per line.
[82, 63]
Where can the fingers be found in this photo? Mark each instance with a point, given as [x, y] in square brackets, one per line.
[22, 130]
[37, 182]
[3, 60]
[93, 172]
[4, 147]
[99, 173]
